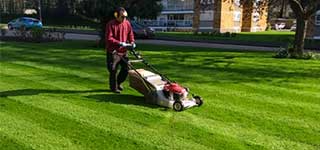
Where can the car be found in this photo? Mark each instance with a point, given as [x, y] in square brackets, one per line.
[24, 22]
[293, 27]
[142, 31]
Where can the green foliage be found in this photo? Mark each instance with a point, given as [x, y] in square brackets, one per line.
[290, 53]
[266, 36]
[216, 34]
[37, 33]
[227, 34]
[311, 55]
[103, 10]
[281, 53]
[233, 34]
[269, 27]
[3, 30]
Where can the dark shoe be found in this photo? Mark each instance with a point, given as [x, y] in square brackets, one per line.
[116, 91]
[120, 87]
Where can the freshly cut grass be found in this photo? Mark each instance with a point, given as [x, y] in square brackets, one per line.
[55, 96]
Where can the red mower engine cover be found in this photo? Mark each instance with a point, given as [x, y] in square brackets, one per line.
[174, 88]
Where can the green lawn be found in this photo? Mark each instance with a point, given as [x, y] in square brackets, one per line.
[55, 96]
[266, 36]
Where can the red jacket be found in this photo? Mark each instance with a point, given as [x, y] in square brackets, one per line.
[117, 32]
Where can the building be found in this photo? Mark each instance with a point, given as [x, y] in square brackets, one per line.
[316, 33]
[176, 14]
[218, 15]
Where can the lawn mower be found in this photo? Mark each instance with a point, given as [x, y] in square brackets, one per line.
[157, 88]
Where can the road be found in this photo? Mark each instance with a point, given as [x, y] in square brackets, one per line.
[74, 36]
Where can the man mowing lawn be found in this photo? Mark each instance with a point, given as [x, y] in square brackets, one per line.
[118, 32]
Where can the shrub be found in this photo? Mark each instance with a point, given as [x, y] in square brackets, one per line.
[269, 27]
[37, 34]
[227, 34]
[3, 30]
[281, 53]
[311, 55]
[216, 33]
[22, 32]
[204, 33]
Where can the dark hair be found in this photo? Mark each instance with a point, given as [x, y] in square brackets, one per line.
[119, 9]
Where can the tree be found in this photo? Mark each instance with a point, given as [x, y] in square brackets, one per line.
[102, 10]
[199, 5]
[196, 17]
[283, 8]
[303, 10]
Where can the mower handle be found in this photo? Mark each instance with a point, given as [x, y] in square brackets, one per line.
[129, 45]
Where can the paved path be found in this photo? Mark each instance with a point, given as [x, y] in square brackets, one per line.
[177, 43]
[208, 45]
[74, 36]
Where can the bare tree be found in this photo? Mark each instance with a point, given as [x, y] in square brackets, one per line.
[303, 10]
[196, 16]
[200, 6]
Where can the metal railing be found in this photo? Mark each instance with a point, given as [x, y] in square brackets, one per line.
[175, 7]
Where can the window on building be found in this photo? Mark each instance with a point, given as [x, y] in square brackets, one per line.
[256, 17]
[237, 2]
[236, 16]
[176, 17]
[318, 18]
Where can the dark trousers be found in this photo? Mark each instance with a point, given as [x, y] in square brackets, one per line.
[114, 79]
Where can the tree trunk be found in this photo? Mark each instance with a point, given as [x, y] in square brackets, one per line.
[247, 16]
[300, 36]
[311, 27]
[216, 23]
[196, 17]
[282, 9]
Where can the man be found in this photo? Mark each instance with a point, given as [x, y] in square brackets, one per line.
[118, 32]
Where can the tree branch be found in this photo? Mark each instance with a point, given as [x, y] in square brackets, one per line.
[313, 8]
[296, 5]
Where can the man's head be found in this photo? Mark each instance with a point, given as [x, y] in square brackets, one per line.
[120, 14]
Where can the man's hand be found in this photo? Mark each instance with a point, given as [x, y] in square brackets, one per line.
[122, 44]
[133, 45]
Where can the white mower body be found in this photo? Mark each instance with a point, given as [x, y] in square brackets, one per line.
[151, 86]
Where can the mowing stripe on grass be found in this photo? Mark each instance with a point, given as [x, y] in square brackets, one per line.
[8, 143]
[252, 101]
[32, 134]
[112, 124]
[53, 79]
[244, 133]
[79, 133]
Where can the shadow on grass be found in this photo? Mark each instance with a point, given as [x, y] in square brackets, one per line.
[113, 98]
[71, 54]
[26, 92]
[121, 99]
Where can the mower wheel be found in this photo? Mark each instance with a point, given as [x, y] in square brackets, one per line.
[199, 100]
[177, 106]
